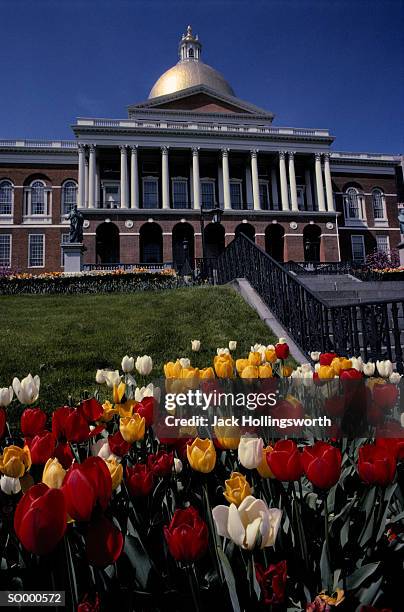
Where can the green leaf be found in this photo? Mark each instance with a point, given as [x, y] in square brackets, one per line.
[360, 575]
[230, 580]
[387, 497]
[325, 568]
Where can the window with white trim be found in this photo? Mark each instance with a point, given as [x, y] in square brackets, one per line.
[36, 251]
[378, 204]
[64, 240]
[236, 195]
[69, 196]
[6, 197]
[264, 195]
[37, 199]
[358, 249]
[5, 250]
[180, 192]
[150, 192]
[353, 205]
[208, 193]
[383, 244]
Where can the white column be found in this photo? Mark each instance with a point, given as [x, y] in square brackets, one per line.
[319, 183]
[255, 180]
[81, 202]
[97, 185]
[134, 178]
[292, 182]
[124, 177]
[165, 179]
[196, 183]
[274, 189]
[91, 178]
[309, 195]
[284, 183]
[226, 179]
[328, 183]
[86, 184]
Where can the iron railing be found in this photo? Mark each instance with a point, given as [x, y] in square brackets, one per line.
[374, 330]
[127, 266]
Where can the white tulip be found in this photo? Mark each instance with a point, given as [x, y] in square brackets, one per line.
[98, 448]
[395, 378]
[149, 391]
[369, 368]
[315, 355]
[196, 345]
[112, 378]
[270, 347]
[281, 341]
[9, 485]
[185, 362]
[402, 420]
[317, 367]
[144, 365]
[250, 451]
[6, 396]
[249, 524]
[100, 377]
[232, 345]
[306, 367]
[357, 363]
[222, 351]
[177, 465]
[385, 368]
[27, 390]
[128, 364]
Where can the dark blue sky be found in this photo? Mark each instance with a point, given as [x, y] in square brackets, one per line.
[336, 64]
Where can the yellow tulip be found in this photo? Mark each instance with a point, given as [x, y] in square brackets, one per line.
[326, 372]
[172, 370]
[270, 356]
[118, 392]
[175, 385]
[109, 412]
[237, 488]
[132, 428]
[116, 471]
[263, 468]
[337, 597]
[254, 359]
[250, 371]
[190, 373]
[286, 371]
[227, 437]
[53, 474]
[15, 461]
[241, 364]
[126, 409]
[341, 363]
[265, 371]
[224, 366]
[201, 455]
[206, 373]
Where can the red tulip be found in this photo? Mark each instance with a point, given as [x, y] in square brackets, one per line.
[322, 464]
[385, 395]
[104, 542]
[91, 409]
[3, 420]
[392, 445]
[288, 409]
[139, 480]
[186, 535]
[64, 454]
[351, 374]
[33, 421]
[145, 409]
[40, 519]
[374, 414]
[335, 406]
[284, 461]
[118, 446]
[58, 421]
[282, 350]
[84, 485]
[88, 606]
[376, 465]
[76, 427]
[272, 581]
[42, 447]
[161, 463]
[326, 358]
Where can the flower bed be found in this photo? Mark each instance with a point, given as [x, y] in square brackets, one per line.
[89, 282]
[98, 505]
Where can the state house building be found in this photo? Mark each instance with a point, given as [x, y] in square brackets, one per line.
[141, 182]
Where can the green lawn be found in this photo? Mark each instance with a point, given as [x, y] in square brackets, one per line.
[65, 339]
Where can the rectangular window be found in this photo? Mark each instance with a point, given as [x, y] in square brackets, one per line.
[236, 196]
[383, 244]
[358, 248]
[150, 193]
[264, 196]
[208, 194]
[5, 250]
[6, 198]
[36, 250]
[64, 240]
[180, 193]
[378, 208]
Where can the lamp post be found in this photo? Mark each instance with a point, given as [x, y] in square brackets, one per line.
[215, 216]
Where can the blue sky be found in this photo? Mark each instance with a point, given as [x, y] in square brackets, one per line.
[336, 64]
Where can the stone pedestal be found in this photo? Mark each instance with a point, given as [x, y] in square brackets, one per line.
[73, 255]
[401, 252]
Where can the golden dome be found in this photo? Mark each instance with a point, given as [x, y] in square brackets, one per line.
[190, 71]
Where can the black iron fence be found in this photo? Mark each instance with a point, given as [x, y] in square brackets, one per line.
[374, 330]
[354, 268]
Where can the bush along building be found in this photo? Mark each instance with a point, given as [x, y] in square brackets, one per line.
[142, 183]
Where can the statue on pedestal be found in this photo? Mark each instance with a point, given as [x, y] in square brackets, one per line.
[76, 225]
[401, 220]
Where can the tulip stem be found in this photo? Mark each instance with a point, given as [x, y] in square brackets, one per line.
[300, 530]
[193, 585]
[327, 540]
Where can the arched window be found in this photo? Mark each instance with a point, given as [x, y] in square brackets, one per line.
[191, 52]
[354, 205]
[69, 196]
[38, 198]
[6, 197]
[378, 204]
